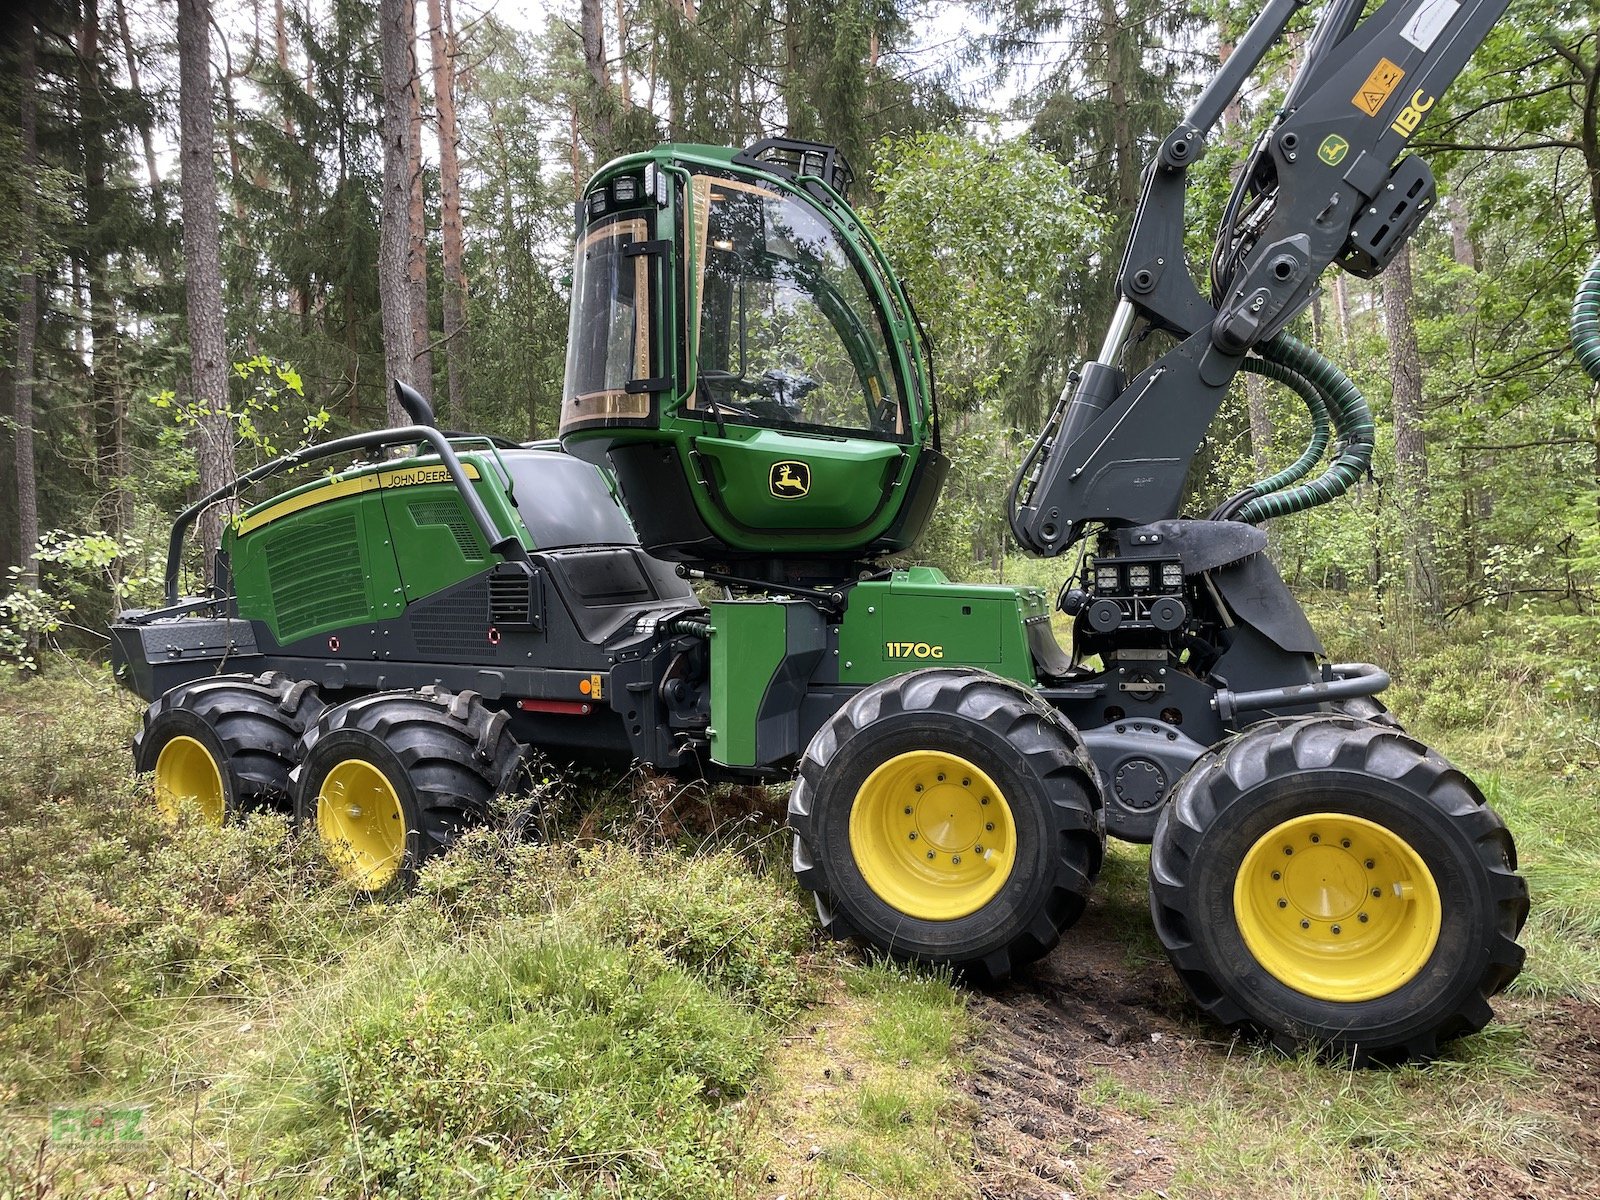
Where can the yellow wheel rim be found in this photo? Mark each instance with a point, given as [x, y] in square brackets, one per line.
[188, 777]
[362, 826]
[1337, 907]
[932, 835]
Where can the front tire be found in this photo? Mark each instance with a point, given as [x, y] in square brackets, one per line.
[948, 816]
[224, 744]
[388, 781]
[1333, 883]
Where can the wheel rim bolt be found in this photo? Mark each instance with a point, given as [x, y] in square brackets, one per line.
[1369, 864]
[984, 800]
[977, 849]
[1304, 924]
[1283, 904]
[988, 826]
[1376, 892]
[1362, 918]
[930, 854]
[1336, 929]
[1315, 838]
[966, 783]
[940, 776]
[1277, 875]
[908, 810]
[355, 812]
[918, 788]
[1345, 842]
[912, 835]
[956, 858]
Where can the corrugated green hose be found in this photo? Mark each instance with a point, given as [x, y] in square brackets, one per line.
[1352, 420]
[1586, 321]
[1298, 383]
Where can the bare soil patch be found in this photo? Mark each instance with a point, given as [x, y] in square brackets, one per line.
[1080, 1066]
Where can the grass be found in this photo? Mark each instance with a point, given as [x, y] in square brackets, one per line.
[643, 1008]
[598, 1016]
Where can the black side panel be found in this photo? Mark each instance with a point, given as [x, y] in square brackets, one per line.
[606, 587]
[778, 721]
[1256, 593]
[159, 656]
[564, 501]
[922, 494]
[658, 496]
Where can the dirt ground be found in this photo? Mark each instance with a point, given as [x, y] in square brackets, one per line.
[1090, 1019]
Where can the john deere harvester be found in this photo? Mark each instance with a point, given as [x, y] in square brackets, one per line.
[749, 406]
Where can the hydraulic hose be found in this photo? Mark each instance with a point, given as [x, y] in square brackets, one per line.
[1352, 421]
[1312, 455]
[1301, 467]
[1586, 321]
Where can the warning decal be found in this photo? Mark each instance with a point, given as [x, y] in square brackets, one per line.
[1380, 85]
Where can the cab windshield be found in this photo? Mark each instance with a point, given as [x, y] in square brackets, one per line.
[608, 340]
[785, 326]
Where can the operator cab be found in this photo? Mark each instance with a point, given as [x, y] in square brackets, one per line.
[744, 358]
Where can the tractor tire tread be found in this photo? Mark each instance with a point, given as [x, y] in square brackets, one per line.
[258, 720]
[1360, 747]
[1046, 742]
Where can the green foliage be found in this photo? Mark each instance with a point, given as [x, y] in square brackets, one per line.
[981, 231]
[541, 1062]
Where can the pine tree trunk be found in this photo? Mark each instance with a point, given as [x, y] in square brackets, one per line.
[158, 197]
[442, 40]
[202, 255]
[395, 42]
[592, 16]
[27, 313]
[1410, 446]
[105, 385]
[417, 238]
[625, 88]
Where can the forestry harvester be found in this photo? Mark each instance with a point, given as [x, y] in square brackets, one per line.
[749, 405]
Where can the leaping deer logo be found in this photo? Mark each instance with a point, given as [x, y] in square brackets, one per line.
[789, 480]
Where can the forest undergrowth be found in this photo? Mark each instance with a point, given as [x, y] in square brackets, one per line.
[642, 1007]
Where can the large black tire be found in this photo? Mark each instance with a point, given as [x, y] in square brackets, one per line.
[1330, 947]
[937, 722]
[238, 732]
[389, 780]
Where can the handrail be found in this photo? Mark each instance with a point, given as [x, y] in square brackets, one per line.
[507, 546]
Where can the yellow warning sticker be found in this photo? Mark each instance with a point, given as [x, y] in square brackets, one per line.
[1380, 85]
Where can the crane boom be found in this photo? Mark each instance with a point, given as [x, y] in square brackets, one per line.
[1322, 186]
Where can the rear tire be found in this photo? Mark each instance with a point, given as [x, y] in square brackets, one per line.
[225, 744]
[1333, 883]
[998, 764]
[390, 780]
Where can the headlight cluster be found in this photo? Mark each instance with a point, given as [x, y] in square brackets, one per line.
[1114, 578]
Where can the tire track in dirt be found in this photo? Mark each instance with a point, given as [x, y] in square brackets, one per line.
[1070, 1053]
[1086, 1011]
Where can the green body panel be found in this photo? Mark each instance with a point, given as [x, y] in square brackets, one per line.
[918, 618]
[847, 480]
[362, 544]
[319, 569]
[748, 644]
